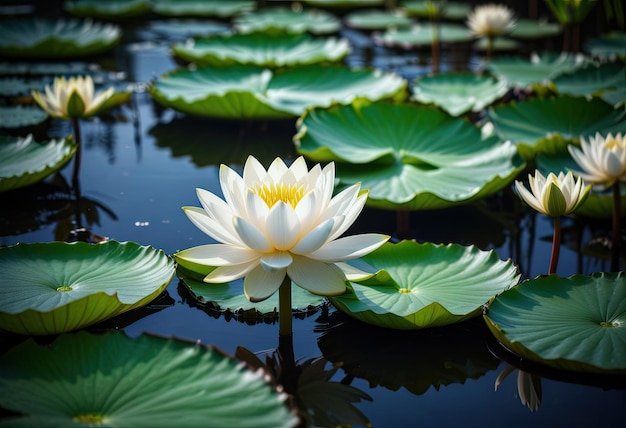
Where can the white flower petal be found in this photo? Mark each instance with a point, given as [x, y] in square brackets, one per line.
[324, 279]
[229, 273]
[278, 260]
[283, 226]
[261, 284]
[251, 236]
[349, 216]
[218, 255]
[314, 239]
[348, 248]
[277, 169]
[209, 226]
[253, 172]
[353, 273]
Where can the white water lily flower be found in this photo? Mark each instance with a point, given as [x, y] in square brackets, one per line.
[491, 20]
[603, 160]
[554, 195]
[72, 98]
[283, 221]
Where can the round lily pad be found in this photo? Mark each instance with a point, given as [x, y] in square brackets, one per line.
[454, 11]
[50, 288]
[373, 19]
[239, 92]
[499, 44]
[110, 379]
[576, 323]
[217, 8]
[426, 285]
[407, 156]
[611, 44]
[458, 93]
[106, 9]
[266, 49]
[20, 116]
[185, 28]
[530, 29]
[23, 161]
[548, 125]
[521, 72]
[607, 80]
[62, 38]
[284, 20]
[343, 4]
[421, 35]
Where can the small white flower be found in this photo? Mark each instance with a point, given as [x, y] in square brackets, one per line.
[283, 221]
[603, 160]
[72, 98]
[554, 195]
[491, 20]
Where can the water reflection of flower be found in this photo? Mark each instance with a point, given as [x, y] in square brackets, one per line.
[528, 387]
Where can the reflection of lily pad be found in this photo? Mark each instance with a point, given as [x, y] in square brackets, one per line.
[439, 357]
[23, 161]
[422, 35]
[607, 45]
[112, 380]
[218, 8]
[426, 285]
[287, 21]
[458, 93]
[20, 116]
[106, 9]
[373, 19]
[576, 323]
[528, 29]
[50, 288]
[607, 81]
[540, 69]
[251, 92]
[455, 11]
[408, 157]
[64, 38]
[548, 125]
[264, 49]
[599, 203]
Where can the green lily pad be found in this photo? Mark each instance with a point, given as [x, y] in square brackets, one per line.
[239, 92]
[273, 50]
[458, 93]
[184, 28]
[20, 116]
[421, 35]
[548, 125]
[218, 8]
[454, 11]
[50, 288]
[576, 323]
[373, 19]
[611, 44]
[104, 9]
[285, 20]
[343, 4]
[23, 161]
[426, 285]
[408, 157]
[599, 203]
[110, 379]
[608, 81]
[539, 69]
[499, 44]
[63, 38]
[530, 29]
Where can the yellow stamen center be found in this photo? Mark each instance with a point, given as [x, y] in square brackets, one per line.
[614, 143]
[288, 193]
[404, 290]
[64, 288]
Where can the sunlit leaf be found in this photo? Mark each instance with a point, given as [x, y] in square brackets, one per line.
[607, 80]
[455, 11]
[422, 35]
[288, 21]
[373, 19]
[529, 29]
[576, 323]
[540, 69]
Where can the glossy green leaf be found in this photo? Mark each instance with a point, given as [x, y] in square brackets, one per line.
[50, 288]
[265, 49]
[548, 125]
[455, 11]
[106, 9]
[426, 285]
[23, 161]
[373, 19]
[607, 80]
[458, 93]
[20, 116]
[62, 38]
[218, 8]
[407, 156]
[521, 72]
[251, 92]
[612, 44]
[343, 4]
[499, 44]
[576, 323]
[287, 21]
[529, 29]
[422, 35]
[113, 380]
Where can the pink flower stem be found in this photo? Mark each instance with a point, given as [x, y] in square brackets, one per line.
[617, 232]
[556, 245]
[284, 308]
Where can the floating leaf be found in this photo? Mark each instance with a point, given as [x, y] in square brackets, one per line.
[611, 44]
[408, 157]
[548, 125]
[287, 21]
[373, 19]
[608, 81]
[61, 38]
[50, 288]
[251, 92]
[218, 8]
[274, 50]
[521, 72]
[107, 9]
[499, 44]
[23, 161]
[422, 35]
[113, 380]
[528, 29]
[454, 11]
[576, 323]
[426, 285]
[343, 4]
[20, 116]
[458, 93]
[184, 28]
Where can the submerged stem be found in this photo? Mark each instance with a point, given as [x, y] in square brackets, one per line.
[284, 307]
[556, 245]
[617, 232]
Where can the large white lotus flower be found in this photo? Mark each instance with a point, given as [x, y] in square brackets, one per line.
[603, 160]
[283, 221]
[491, 20]
[554, 195]
[72, 98]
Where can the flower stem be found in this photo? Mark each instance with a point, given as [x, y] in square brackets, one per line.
[77, 155]
[556, 245]
[617, 232]
[284, 307]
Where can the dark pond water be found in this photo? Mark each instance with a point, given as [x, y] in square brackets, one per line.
[141, 166]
